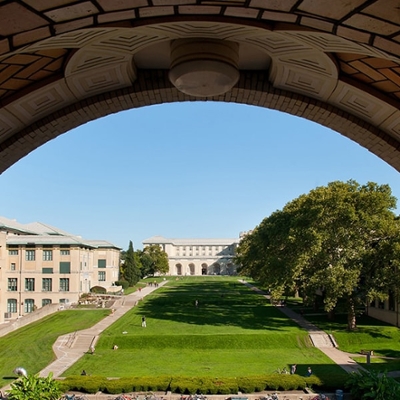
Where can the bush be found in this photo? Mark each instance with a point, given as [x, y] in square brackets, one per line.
[205, 385]
[34, 387]
[124, 284]
[372, 385]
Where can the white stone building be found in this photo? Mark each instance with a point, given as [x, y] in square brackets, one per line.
[41, 265]
[198, 256]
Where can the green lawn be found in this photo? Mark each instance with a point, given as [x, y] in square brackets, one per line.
[30, 347]
[371, 334]
[233, 332]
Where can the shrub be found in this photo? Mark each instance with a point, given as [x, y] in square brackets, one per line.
[34, 387]
[124, 284]
[205, 385]
[372, 385]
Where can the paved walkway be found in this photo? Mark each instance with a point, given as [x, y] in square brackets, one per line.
[70, 348]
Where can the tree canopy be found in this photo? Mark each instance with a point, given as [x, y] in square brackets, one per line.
[154, 260]
[131, 266]
[339, 240]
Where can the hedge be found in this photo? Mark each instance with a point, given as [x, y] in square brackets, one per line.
[204, 385]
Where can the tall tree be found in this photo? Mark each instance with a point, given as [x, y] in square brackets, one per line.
[155, 260]
[131, 268]
[332, 240]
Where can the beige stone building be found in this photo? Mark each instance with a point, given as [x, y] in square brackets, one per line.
[198, 256]
[41, 265]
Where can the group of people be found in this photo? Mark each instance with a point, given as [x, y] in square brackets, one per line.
[294, 367]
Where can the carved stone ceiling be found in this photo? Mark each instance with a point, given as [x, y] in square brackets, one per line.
[54, 54]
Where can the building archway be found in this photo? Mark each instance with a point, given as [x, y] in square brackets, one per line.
[216, 269]
[333, 63]
[178, 269]
[204, 269]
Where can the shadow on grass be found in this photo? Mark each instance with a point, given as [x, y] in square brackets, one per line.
[224, 303]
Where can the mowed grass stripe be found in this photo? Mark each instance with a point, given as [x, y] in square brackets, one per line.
[30, 347]
[233, 332]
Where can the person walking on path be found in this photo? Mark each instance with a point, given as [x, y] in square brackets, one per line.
[144, 322]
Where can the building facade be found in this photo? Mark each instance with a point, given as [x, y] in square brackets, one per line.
[42, 265]
[198, 256]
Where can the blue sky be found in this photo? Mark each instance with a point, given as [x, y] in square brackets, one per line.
[182, 170]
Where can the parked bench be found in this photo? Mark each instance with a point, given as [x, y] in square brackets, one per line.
[367, 352]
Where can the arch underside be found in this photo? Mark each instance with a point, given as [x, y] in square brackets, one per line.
[72, 62]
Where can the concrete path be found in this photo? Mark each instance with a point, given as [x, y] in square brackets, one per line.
[339, 357]
[70, 348]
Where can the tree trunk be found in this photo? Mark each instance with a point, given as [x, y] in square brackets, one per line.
[351, 315]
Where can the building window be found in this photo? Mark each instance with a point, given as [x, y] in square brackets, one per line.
[13, 267]
[101, 263]
[47, 270]
[47, 255]
[47, 285]
[30, 255]
[45, 302]
[64, 284]
[12, 305]
[64, 252]
[102, 276]
[65, 267]
[12, 252]
[30, 284]
[12, 284]
[29, 305]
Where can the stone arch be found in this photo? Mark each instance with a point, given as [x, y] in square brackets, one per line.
[178, 269]
[204, 269]
[335, 63]
[217, 269]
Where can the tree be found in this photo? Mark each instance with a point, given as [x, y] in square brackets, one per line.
[154, 260]
[131, 269]
[341, 240]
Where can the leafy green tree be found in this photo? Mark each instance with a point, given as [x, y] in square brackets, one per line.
[341, 240]
[33, 387]
[154, 260]
[131, 269]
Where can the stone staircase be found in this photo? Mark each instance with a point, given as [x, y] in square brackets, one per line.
[322, 340]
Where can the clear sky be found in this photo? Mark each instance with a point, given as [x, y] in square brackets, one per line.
[182, 170]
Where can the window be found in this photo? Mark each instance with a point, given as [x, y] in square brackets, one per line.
[45, 302]
[102, 276]
[101, 263]
[13, 267]
[64, 284]
[64, 252]
[30, 284]
[30, 255]
[65, 267]
[12, 252]
[29, 305]
[47, 255]
[12, 284]
[47, 284]
[47, 270]
[12, 305]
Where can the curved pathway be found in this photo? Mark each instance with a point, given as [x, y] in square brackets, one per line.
[70, 348]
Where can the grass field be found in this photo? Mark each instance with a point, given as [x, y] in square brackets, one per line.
[233, 332]
[30, 347]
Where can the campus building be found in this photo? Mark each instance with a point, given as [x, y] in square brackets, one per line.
[41, 265]
[198, 256]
